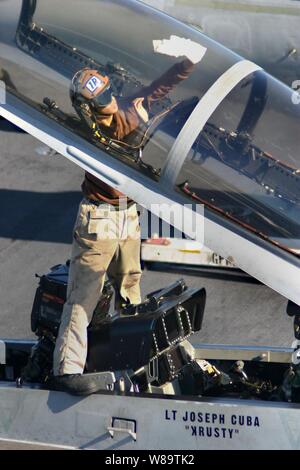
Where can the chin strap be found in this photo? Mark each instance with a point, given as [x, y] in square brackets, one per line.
[86, 114]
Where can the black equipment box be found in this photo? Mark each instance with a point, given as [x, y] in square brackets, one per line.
[51, 296]
[163, 321]
[145, 340]
[49, 300]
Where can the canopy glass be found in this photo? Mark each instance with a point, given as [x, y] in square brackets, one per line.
[244, 164]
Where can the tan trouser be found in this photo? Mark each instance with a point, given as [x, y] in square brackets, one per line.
[105, 242]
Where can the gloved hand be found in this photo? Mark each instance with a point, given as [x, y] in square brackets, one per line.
[176, 47]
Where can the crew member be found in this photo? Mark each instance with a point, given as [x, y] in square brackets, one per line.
[106, 233]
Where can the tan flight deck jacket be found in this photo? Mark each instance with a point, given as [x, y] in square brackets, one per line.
[128, 119]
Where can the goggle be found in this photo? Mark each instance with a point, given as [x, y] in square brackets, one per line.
[103, 99]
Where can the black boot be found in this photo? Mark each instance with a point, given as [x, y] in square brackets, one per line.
[78, 384]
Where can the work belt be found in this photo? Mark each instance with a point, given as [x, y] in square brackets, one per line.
[103, 203]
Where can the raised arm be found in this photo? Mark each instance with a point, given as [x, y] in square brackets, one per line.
[167, 82]
[174, 47]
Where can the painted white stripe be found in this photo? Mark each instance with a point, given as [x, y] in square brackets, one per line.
[199, 117]
[35, 443]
